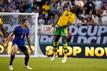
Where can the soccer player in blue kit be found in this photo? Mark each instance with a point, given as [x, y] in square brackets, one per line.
[20, 33]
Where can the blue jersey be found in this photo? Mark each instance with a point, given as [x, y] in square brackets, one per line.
[20, 35]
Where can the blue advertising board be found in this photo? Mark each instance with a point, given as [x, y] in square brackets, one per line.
[87, 41]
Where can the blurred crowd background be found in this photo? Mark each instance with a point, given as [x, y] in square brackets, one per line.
[92, 12]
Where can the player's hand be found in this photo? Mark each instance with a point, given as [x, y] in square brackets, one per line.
[31, 50]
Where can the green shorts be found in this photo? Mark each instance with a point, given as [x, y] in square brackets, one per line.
[62, 31]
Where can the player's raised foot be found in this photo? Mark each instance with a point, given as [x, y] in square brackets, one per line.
[10, 67]
[28, 67]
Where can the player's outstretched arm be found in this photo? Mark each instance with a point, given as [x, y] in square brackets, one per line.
[28, 40]
[9, 38]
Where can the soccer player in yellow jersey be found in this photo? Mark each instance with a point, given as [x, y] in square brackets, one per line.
[2, 29]
[3, 32]
[67, 18]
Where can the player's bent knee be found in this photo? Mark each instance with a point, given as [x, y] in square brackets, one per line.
[14, 49]
[13, 52]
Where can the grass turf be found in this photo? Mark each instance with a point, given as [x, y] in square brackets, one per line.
[44, 64]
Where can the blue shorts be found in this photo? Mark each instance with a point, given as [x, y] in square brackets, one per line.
[21, 47]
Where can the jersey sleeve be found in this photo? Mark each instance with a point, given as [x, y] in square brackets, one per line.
[1, 22]
[27, 31]
[14, 31]
[72, 18]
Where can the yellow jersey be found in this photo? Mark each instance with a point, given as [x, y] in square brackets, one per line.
[66, 18]
[1, 22]
[46, 8]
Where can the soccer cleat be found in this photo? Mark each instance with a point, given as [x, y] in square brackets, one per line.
[28, 67]
[10, 67]
[64, 60]
[54, 56]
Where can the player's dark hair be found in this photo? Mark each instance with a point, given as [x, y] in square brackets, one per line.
[76, 10]
[23, 20]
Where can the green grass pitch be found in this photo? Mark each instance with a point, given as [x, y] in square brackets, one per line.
[44, 64]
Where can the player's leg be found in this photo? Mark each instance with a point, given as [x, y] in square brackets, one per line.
[5, 36]
[26, 59]
[5, 33]
[55, 46]
[65, 45]
[65, 49]
[14, 50]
